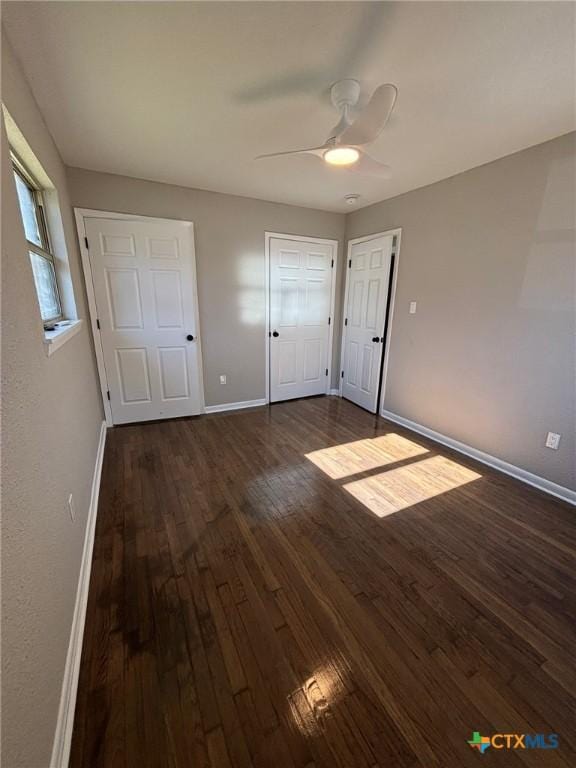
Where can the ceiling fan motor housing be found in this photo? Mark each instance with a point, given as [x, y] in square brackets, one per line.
[345, 93]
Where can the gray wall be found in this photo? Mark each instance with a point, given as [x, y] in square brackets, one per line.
[51, 417]
[489, 357]
[229, 233]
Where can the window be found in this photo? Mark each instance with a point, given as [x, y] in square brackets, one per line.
[39, 249]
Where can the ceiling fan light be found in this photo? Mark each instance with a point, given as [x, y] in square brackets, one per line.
[341, 156]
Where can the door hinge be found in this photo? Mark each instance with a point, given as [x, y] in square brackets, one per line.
[86, 242]
[345, 321]
[329, 320]
[394, 241]
[108, 394]
[97, 323]
[349, 263]
[326, 371]
[342, 375]
[332, 263]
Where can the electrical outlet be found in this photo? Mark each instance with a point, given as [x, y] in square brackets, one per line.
[553, 440]
[412, 307]
[71, 508]
[223, 379]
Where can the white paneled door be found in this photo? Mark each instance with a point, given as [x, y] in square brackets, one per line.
[144, 281]
[301, 276]
[368, 278]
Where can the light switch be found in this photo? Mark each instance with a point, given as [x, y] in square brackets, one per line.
[412, 307]
[223, 379]
[553, 441]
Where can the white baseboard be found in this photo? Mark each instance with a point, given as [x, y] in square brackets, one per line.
[234, 406]
[248, 404]
[503, 466]
[65, 722]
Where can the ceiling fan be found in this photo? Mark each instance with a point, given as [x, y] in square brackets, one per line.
[345, 146]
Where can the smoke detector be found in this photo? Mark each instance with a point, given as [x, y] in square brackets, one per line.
[352, 199]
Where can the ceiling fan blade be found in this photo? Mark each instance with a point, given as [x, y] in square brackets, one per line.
[368, 166]
[296, 83]
[365, 28]
[308, 151]
[370, 122]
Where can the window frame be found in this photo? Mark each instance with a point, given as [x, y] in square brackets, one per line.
[45, 250]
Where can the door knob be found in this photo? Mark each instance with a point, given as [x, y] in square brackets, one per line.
[275, 334]
[190, 337]
[375, 338]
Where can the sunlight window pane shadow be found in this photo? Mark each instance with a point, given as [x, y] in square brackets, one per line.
[340, 461]
[388, 492]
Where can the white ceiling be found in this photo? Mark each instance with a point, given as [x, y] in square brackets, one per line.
[189, 93]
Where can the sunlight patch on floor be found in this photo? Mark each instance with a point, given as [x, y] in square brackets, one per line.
[341, 461]
[310, 704]
[396, 489]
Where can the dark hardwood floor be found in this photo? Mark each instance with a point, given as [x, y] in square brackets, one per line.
[307, 585]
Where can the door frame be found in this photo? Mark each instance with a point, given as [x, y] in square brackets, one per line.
[267, 330]
[389, 315]
[80, 214]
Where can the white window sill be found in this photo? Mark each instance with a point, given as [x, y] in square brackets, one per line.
[53, 340]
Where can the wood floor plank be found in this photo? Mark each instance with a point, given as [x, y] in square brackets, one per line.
[309, 586]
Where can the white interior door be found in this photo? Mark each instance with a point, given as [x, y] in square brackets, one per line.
[368, 277]
[301, 275]
[144, 280]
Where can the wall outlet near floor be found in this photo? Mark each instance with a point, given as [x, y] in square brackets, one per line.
[223, 378]
[553, 440]
[412, 307]
[71, 508]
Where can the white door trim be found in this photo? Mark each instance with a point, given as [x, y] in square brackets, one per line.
[80, 215]
[304, 239]
[364, 239]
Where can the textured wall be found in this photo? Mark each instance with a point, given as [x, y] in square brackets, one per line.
[489, 357]
[488, 255]
[51, 417]
[229, 234]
